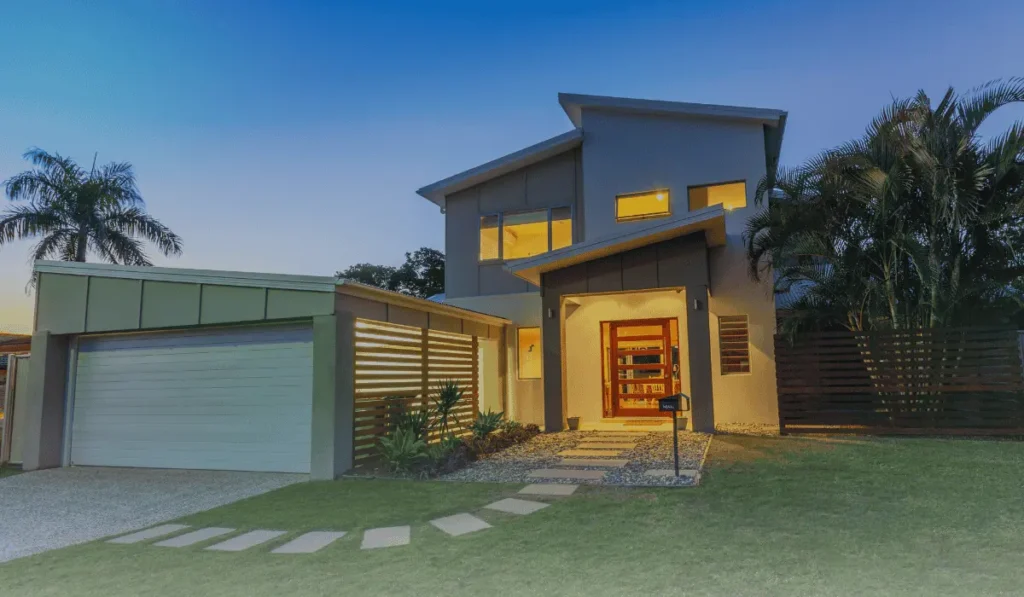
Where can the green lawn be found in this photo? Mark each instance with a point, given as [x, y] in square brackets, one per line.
[8, 472]
[773, 517]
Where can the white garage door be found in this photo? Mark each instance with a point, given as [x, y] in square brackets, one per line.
[226, 399]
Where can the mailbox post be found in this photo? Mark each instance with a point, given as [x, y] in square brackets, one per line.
[674, 404]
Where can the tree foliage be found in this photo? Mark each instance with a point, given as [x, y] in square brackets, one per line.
[919, 223]
[74, 212]
[421, 275]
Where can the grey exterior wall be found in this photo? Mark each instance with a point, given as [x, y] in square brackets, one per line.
[627, 153]
[554, 182]
[675, 263]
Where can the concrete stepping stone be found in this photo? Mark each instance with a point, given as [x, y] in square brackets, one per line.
[592, 453]
[560, 489]
[610, 438]
[460, 524]
[668, 472]
[385, 537]
[153, 533]
[310, 542]
[566, 473]
[514, 506]
[605, 446]
[246, 540]
[194, 537]
[605, 462]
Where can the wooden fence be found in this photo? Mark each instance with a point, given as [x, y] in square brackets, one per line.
[930, 381]
[398, 364]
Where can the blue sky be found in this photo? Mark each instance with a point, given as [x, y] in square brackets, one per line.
[291, 136]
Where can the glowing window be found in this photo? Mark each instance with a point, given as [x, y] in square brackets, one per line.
[525, 234]
[561, 227]
[639, 206]
[517, 235]
[489, 249]
[732, 195]
[529, 353]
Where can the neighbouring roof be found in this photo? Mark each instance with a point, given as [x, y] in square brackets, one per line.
[253, 279]
[437, 191]
[195, 276]
[574, 104]
[710, 219]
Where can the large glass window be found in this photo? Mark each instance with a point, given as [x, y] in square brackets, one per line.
[489, 247]
[529, 353]
[525, 234]
[561, 227]
[641, 206]
[521, 234]
[731, 195]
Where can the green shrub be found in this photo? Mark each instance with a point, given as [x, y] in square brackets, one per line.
[486, 423]
[510, 425]
[415, 420]
[449, 395]
[402, 450]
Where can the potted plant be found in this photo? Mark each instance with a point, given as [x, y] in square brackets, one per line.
[574, 423]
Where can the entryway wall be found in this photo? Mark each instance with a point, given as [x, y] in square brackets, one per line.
[583, 317]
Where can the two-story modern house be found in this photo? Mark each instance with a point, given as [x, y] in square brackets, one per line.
[616, 250]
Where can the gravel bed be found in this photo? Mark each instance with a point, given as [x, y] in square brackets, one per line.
[653, 451]
[747, 429]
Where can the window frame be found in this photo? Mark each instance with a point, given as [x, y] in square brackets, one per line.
[722, 357]
[689, 188]
[501, 229]
[626, 220]
[519, 346]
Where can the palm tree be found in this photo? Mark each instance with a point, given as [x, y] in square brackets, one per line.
[75, 212]
[920, 223]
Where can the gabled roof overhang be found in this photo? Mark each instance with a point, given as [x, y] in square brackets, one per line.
[437, 191]
[710, 221]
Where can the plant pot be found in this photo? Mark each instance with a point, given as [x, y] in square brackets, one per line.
[574, 423]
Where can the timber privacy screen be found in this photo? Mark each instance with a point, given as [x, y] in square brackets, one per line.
[399, 366]
[930, 381]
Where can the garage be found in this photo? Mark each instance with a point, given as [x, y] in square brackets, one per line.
[236, 398]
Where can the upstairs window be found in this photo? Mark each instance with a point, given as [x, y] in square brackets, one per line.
[517, 235]
[730, 195]
[641, 206]
[524, 234]
[734, 344]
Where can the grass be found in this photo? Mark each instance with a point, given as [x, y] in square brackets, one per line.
[775, 516]
[6, 471]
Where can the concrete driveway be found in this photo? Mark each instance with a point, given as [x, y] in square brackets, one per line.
[54, 508]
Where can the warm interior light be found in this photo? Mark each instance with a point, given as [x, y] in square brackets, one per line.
[637, 206]
[732, 195]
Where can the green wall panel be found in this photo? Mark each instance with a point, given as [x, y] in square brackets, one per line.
[286, 304]
[61, 303]
[169, 304]
[226, 304]
[113, 304]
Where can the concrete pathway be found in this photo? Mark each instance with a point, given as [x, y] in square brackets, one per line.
[45, 510]
[455, 525]
[311, 542]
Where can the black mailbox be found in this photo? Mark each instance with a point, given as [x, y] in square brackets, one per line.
[668, 403]
[675, 402]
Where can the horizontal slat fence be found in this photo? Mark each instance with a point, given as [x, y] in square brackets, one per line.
[928, 381]
[399, 364]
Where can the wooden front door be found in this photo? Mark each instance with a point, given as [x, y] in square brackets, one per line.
[640, 367]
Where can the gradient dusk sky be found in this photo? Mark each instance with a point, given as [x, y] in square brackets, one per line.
[291, 136]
